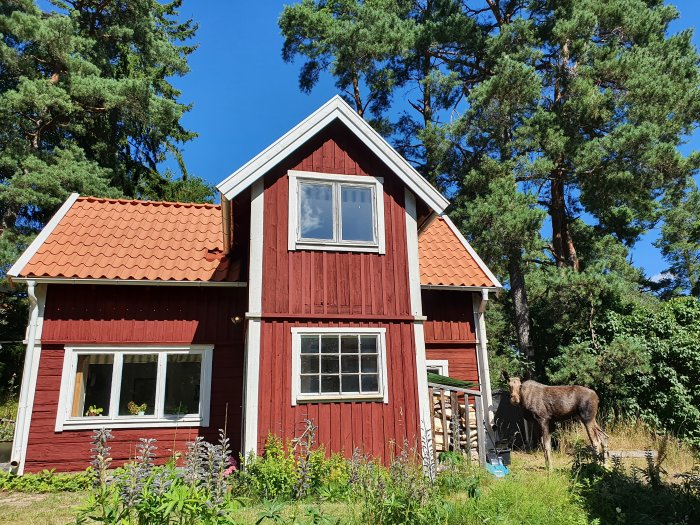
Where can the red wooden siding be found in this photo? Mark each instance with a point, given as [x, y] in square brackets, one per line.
[321, 288]
[373, 427]
[450, 331]
[135, 314]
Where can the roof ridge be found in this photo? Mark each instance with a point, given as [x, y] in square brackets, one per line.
[88, 198]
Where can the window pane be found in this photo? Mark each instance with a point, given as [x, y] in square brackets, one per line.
[93, 385]
[309, 344]
[350, 363]
[369, 344]
[182, 380]
[357, 208]
[330, 384]
[316, 211]
[309, 364]
[329, 364]
[369, 363]
[309, 384]
[329, 344]
[351, 383]
[348, 344]
[370, 383]
[138, 391]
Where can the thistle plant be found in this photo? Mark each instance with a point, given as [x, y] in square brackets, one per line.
[194, 470]
[303, 446]
[136, 475]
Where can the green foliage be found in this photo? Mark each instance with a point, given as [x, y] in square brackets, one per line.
[46, 481]
[619, 495]
[644, 362]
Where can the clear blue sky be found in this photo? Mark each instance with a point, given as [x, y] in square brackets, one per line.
[245, 96]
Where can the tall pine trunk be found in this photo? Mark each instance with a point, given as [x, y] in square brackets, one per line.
[562, 243]
[520, 305]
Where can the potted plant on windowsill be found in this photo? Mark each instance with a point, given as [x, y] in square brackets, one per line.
[137, 410]
[93, 411]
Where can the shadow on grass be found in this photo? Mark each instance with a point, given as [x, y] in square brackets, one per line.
[638, 497]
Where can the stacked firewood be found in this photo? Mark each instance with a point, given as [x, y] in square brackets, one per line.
[438, 431]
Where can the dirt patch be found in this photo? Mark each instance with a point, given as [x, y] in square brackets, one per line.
[20, 499]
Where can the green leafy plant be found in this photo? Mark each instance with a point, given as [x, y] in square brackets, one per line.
[46, 481]
[94, 411]
[135, 409]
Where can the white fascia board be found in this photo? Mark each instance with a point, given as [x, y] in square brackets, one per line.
[473, 253]
[132, 282]
[43, 235]
[336, 108]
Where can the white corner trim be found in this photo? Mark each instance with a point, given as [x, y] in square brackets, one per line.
[472, 252]
[251, 366]
[376, 183]
[417, 310]
[444, 365]
[298, 398]
[34, 246]
[335, 108]
[482, 359]
[64, 420]
[37, 295]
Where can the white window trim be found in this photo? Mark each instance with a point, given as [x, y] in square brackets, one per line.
[295, 243]
[443, 364]
[298, 397]
[65, 422]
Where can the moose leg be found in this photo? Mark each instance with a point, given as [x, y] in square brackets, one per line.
[546, 442]
[592, 435]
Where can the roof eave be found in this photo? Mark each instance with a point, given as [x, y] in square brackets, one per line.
[336, 108]
[131, 282]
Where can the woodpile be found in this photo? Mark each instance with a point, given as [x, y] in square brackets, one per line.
[443, 423]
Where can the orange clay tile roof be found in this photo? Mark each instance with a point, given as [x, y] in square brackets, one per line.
[128, 239]
[172, 241]
[445, 261]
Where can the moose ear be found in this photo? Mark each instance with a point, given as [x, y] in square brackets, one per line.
[505, 376]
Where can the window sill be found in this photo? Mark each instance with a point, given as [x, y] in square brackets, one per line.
[341, 398]
[312, 246]
[133, 422]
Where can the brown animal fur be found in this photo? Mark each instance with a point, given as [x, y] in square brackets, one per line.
[558, 403]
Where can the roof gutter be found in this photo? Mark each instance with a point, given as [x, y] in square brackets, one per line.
[132, 282]
[483, 289]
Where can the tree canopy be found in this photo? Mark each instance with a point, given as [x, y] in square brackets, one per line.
[553, 125]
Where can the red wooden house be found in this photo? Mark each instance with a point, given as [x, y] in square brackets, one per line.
[323, 287]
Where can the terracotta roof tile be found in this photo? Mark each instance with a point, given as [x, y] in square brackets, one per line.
[130, 239]
[445, 261]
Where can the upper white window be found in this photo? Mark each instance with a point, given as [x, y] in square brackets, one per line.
[135, 386]
[335, 212]
[338, 364]
[438, 366]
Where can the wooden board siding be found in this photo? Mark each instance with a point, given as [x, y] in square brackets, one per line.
[134, 315]
[324, 288]
[450, 331]
[373, 427]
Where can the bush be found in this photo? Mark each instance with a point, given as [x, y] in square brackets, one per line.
[46, 481]
[142, 493]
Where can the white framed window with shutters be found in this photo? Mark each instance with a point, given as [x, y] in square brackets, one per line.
[135, 386]
[339, 364]
[336, 212]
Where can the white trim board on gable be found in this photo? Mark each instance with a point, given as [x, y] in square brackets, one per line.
[473, 253]
[43, 235]
[335, 109]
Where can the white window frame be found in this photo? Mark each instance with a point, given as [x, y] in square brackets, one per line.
[297, 243]
[443, 364]
[64, 420]
[298, 397]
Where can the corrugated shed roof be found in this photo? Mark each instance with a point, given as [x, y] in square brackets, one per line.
[446, 261]
[138, 240]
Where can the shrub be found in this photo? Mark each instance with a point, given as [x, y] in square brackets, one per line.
[46, 481]
[142, 493]
[272, 475]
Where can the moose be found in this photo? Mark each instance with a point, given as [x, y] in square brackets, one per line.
[558, 403]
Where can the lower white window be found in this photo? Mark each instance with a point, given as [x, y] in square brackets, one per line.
[438, 366]
[142, 386]
[336, 364]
